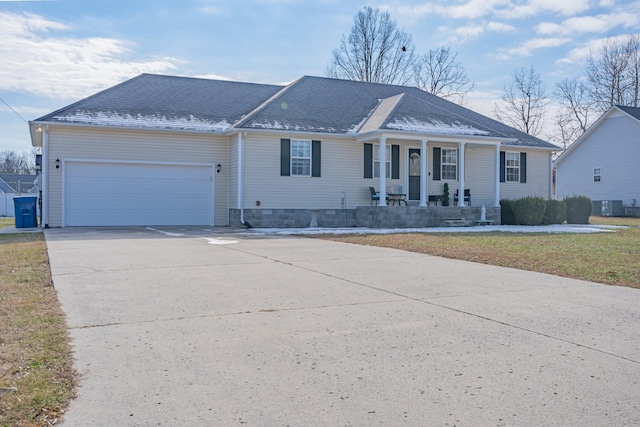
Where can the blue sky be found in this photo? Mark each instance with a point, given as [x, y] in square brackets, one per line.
[53, 53]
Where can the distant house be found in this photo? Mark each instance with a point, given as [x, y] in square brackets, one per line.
[162, 150]
[603, 163]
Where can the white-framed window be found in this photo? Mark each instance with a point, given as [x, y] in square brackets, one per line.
[376, 161]
[300, 157]
[597, 174]
[449, 164]
[512, 166]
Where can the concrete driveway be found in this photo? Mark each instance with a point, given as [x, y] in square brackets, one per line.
[193, 327]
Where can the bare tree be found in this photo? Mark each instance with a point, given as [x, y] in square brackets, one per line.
[633, 69]
[375, 51]
[575, 110]
[18, 163]
[605, 72]
[524, 102]
[439, 73]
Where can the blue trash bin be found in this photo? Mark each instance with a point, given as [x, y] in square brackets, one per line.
[25, 210]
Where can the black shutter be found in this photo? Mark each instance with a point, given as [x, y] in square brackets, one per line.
[523, 168]
[395, 162]
[458, 164]
[436, 163]
[368, 160]
[503, 167]
[315, 158]
[285, 157]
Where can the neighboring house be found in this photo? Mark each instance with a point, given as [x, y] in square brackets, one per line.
[603, 163]
[161, 150]
[17, 183]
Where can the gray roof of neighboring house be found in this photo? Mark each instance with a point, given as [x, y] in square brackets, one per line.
[310, 104]
[5, 188]
[9, 182]
[632, 111]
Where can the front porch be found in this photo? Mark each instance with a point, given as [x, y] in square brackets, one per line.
[367, 216]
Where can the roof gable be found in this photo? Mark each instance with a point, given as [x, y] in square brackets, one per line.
[614, 111]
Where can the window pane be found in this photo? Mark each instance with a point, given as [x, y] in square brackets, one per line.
[376, 161]
[300, 157]
[300, 167]
[449, 164]
[512, 167]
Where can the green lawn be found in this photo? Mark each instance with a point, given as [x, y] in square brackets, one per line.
[611, 258]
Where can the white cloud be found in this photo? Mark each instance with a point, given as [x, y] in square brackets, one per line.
[475, 9]
[535, 7]
[534, 44]
[464, 33]
[35, 61]
[588, 24]
[580, 54]
[499, 27]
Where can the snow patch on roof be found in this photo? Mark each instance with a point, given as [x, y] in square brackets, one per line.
[435, 126]
[285, 126]
[155, 121]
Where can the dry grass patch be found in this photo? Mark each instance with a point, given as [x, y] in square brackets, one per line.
[37, 379]
[7, 222]
[611, 258]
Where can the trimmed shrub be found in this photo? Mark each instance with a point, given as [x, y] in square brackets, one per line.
[529, 210]
[506, 212]
[555, 212]
[578, 209]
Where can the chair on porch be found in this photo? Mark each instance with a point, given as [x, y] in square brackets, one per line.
[375, 196]
[467, 197]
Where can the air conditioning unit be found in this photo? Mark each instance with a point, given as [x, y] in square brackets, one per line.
[607, 208]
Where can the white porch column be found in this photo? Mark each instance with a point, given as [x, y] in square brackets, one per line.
[383, 171]
[423, 173]
[461, 181]
[496, 202]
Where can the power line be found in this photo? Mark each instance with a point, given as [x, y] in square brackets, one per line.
[16, 113]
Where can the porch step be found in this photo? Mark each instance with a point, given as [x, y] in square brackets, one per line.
[457, 222]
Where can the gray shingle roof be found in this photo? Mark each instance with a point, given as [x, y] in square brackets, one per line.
[9, 182]
[310, 104]
[168, 102]
[316, 104]
[632, 111]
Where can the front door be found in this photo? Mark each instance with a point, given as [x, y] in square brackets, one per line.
[414, 174]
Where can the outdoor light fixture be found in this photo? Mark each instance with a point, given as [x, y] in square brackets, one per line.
[57, 163]
[218, 168]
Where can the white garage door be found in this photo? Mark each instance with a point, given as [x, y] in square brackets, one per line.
[105, 193]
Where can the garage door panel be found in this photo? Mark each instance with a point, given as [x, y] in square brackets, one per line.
[137, 194]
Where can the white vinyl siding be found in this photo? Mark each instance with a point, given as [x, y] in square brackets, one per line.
[480, 174]
[233, 173]
[68, 142]
[342, 171]
[538, 178]
[614, 147]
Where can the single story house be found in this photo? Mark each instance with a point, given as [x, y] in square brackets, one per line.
[164, 150]
[602, 164]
